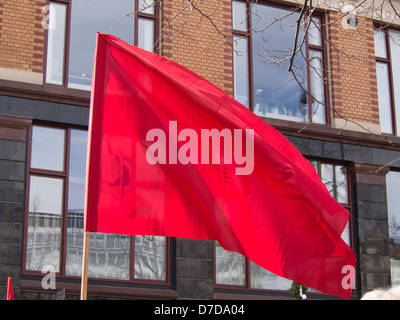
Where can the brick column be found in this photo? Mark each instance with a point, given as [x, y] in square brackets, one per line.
[13, 140]
[353, 74]
[372, 225]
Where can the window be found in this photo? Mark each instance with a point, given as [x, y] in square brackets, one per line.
[72, 28]
[54, 233]
[263, 37]
[393, 203]
[235, 271]
[387, 53]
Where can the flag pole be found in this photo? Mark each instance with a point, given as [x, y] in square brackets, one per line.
[85, 262]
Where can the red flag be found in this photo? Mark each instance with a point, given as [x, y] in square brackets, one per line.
[10, 292]
[170, 154]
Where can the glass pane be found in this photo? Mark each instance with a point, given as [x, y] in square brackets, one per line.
[276, 93]
[44, 223]
[317, 87]
[77, 171]
[48, 145]
[385, 109]
[146, 6]
[239, 13]
[264, 279]
[335, 179]
[346, 233]
[88, 18]
[76, 198]
[230, 267]
[380, 44]
[109, 256]
[150, 257]
[395, 272]
[241, 70]
[327, 177]
[395, 57]
[56, 43]
[146, 34]
[314, 163]
[393, 203]
[340, 176]
[314, 32]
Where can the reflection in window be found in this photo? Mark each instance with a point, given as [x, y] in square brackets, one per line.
[393, 203]
[44, 223]
[150, 257]
[335, 179]
[263, 279]
[230, 267]
[276, 92]
[86, 18]
[56, 43]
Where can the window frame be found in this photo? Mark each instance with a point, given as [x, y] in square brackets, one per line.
[388, 62]
[64, 174]
[248, 35]
[64, 86]
[247, 276]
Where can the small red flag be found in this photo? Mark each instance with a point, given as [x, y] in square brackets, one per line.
[170, 154]
[10, 292]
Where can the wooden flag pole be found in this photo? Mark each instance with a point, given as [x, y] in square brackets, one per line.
[85, 262]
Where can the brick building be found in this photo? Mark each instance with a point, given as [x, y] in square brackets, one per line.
[347, 126]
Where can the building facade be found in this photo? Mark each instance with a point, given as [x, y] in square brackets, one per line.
[326, 77]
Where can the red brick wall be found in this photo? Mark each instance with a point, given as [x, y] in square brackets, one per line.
[353, 74]
[190, 39]
[21, 35]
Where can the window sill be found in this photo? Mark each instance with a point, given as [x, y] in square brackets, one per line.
[98, 290]
[45, 92]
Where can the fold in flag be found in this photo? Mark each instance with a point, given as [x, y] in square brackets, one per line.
[172, 155]
[10, 292]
